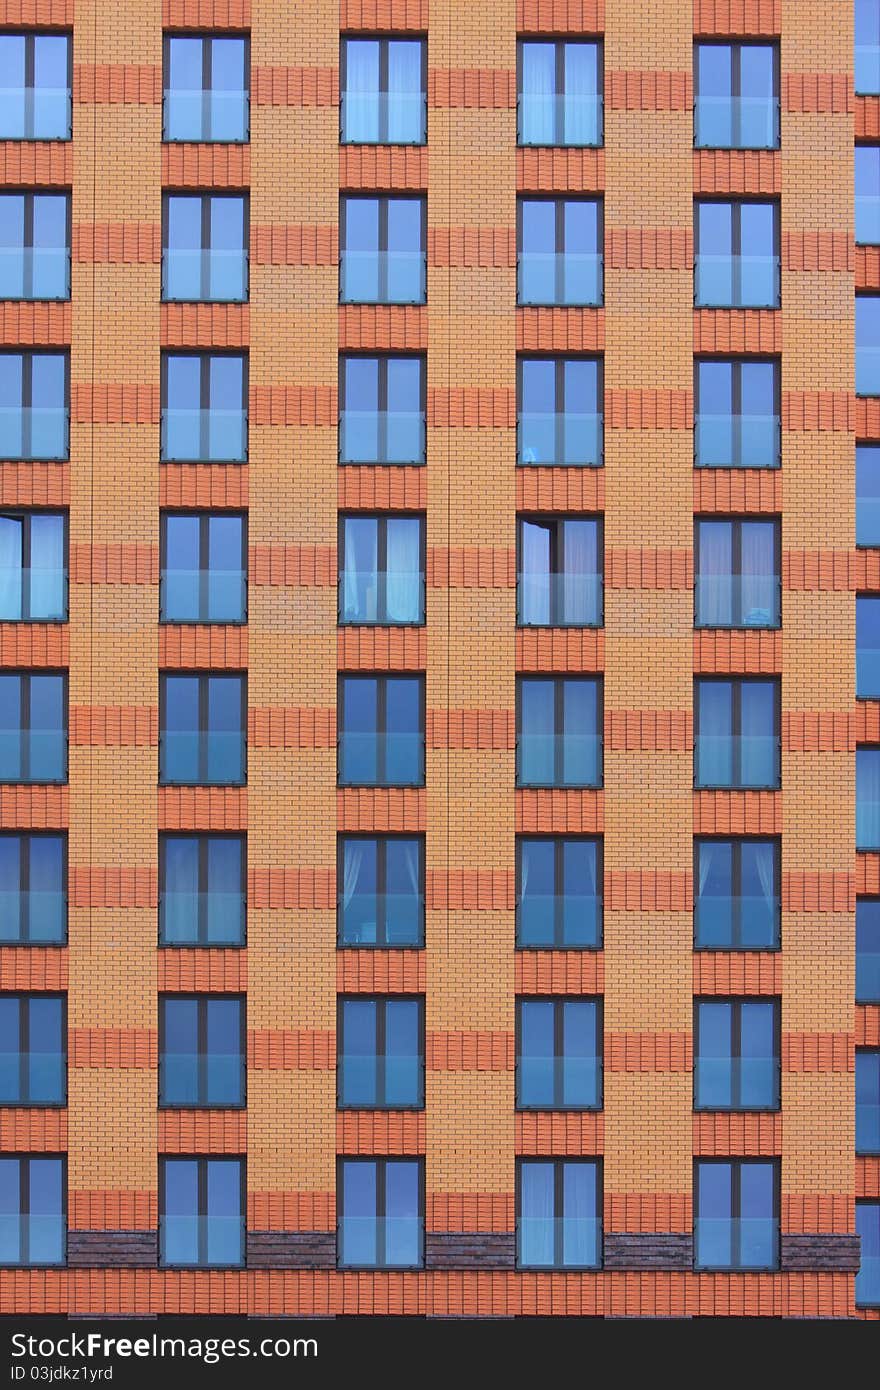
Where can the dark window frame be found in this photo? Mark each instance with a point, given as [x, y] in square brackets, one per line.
[203, 839]
[735, 521]
[24, 724]
[24, 998]
[559, 841]
[870, 1051]
[381, 519]
[380, 839]
[383, 40]
[736, 1165]
[29, 194]
[559, 42]
[203, 1160]
[559, 1164]
[203, 677]
[27, 355]
[383, 199]
[555, 524]
[381, 1162]
[559, 680]
[382, 359]
[560, 200]
[381, 678]
[202, 1000]
[735, 1002]
[736, 842]
[868, 1202]
[29, 36]
[24, 838]
[735, 733]
[736, 361]
[736, 44]
[736, 202]
[25, 516]
[560, 360]
[206, 198]
[864, 897]
[24, 1161]
[207, 37]
[559, 1001]
[205, 404]
[204, 566]
[381, 1001]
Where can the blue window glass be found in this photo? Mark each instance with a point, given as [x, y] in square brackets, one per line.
[868, 950]
[201, 1061]
[559, 1214]
[559, 893]
[204, 411]
[33, 889]
[736, 1066]
[33, 567]
[867, 1100]
[381, 1213]
[34, 415]
[33, 1216]
[384, 92]
[868, 646]
[206, 88]
[867, 798]
[737, 255]
[204, 568]
[559, 734]
[867, 55]
[737, 414]
[35, 97]
[33, 727]
[736, 895]
[201, 1211]
[867, 495]
[737, 573]
[34, 246]
[736, 103]
[381, 731]
[560, 251]
[867, 167]
[559, 575]
[868, 1277]
[559, 1054]
[737, 733]
[202, 890]
[867, 345]
[560, 93]
[736, 1215]
[381, 1062]
[560, 411]
[204, 252]
[33, 1049]
[382, 410]
[382, 253]
[202, 730]
[382, 570]
[380, 891]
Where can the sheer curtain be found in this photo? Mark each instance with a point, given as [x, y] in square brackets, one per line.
[868, 798]
[535, 574]
[579, 1245]
[47, 566]
[716, 568]
[758, 753]
[536, 1213]
[362, 91]
[406, 103]
[538, 93]
[181, 890]
[758, 573]
[714, 751]
[360, 576]
[580, 581]
[403, 576]
[581, 106]
[10, 567]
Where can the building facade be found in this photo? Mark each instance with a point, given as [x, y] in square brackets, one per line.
[440, 637]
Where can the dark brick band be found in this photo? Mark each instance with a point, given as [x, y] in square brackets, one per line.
[837, 1252]
[291, 1249]
[470, 1250]
[648, 1250]
[113, 1249]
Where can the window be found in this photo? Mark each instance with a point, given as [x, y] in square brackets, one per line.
[204, 407]
[381, 731]
[868, 950]
[203, 568]
[381, 891]
[34, 415]
[381, 1213]
[37, 71]
[202, 890]
[559, 573]
[559, 893]
[737, 255]
[737, 573]
[559, 1214]
[33, 567]
[736, 898]
[384, 91]
[33, 727]
[381, 1062]
[868, 1277]
[867, 495]
[201, 1051]
[736, 1214]
[868, 646]
[33, 889]
[560, 251]
[867, 18]
[206, 88]
[201, 1211]
[867, 195]
[204, 247]
[33, 1210]
[559, 1054]
[559, 99]
[382, 410]
[559, 417]
[35, 246]
[737, 96]
[867, 345]
[559, 732]
[382, 241]
[867, 798]
[867, 1100]
[738, 412]
[202, 730]
[736, 1066]
[33, 1049]
[736, 733]
[382, 569]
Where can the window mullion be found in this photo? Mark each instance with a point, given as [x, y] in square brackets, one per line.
[381, 889]
[204, 566]
[24, 1198]
[203, 729]
[558, 1213]
[207, 87]
[381, 1202]
[26, 576]
[204, 404]
[381, 1054]
[28, 248]
[205, 249]
[202, 1181]
[384, 99]
[27, 399]
[202, 889]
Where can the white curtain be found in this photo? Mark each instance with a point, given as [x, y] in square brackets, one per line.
[581, 88]
[580, 570]
[716, 569]
[405, 100]
[352, 859]
[47, 566]
[362, 92]
[537, 1195]
[758, 566]
[868, 798]
[538, 93]
[403, 577]
[10, 567]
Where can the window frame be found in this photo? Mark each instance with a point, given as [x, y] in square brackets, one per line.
[558, 41]
[559, 842]
[866, 898]
[736, 842]
[559, 679]
[205, 517]
[203, 731]
[383, 199]
[24, 838]
[381, 1002]
[736, 362]
[24, 727]
[735, 1002]
[24, 1161]
[26, 356]
[383, 39]
[25, 515]
[205, 356]
[381, 519]
[202, 838]
[24, 997]
[202, 1000]
[207, 38]
[382, 359]
[381, 731]
[29, 36]
[560, 359]
[203, 1214]
[559, 1163]
[736, 683]
[381, 840]
[736, 1164]
[872, 1050]
[555, 523]
[736, 202]
[206, 197]
[560, 200]
[736, 43]
[381, 1161]
[559, 1001]
[735, 522]
[868, 1202]
[28, 194]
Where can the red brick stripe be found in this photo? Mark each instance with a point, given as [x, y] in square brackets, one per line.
[649, 91]
[375, 1132]
[560, 489]
[382, 649]
[34, 644]
[471, 1050]
[547, 1132]
[492, 89]
[737, 171]
[291, 728]
[749, 17]
[369, 809]
[294, 405]
[648, 1052]
[826, 250]
[206, 166]
[648, 1212]
[480, 730]
[206, 14]
[114, 726]
[383, 487]
[301, 565]
[204, 325]
[635, 409]
[35, 325]
[560, 16]
[381, 972]
[382, 327]
[560, 812]
[560, 330]
[825, 93]
[138, 84]
[649, 248]
[867, 118]
[371, 167]
[559, 649]
[723, 1136]
[203, 648]
[559, 972]
[202, 808]
[469, 889]
[382, 16]
[32, 1130]
[469, 1211]
[117, 243]
[737, 972]
[37, 13]
[304, 1049]
[33, 967]
[737, 330]
[657, 731]
[737, 490]
[487, 407]
[183, 969]
[198, 1131]
[471, 567]
[490, 247]
[203, 485]
[101, 403]
[136, 1048]
[308, 244]
[34, 808]
[737, 813]
[112, 1211]
[114, 887]
[135, 562]
[291, 1211]
[818, 1052]
[41, 163]
[738, 653]
[560, 171]
[643, 568]
[295, 86]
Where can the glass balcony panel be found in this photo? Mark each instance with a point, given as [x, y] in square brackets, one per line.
[868, 371]
[386, 597]
[381, 760]
[867, 824]
[42, 1080]
[744, 1243]
[868, 1282]
[867, 977]
[33, 757]
[193, 1078]
[737, 281]
[868, 68]
[45, 588]
[569, 1242]
[180, 915]
[725, 760]
[194, 759]
[203, 596]
[563, 920]
[220, 276]
[33, 432]
[730, 600]
[571, 438]
[868, 673]
[737, 441]
[867, 220]
[45, 915]
[560, 120]
[742, 923]
[565, 278]
[736, 123]
[377, 436]
[383, 118]
[559, 760]
[206, 116]
[32, 1240]
[35, 273]
[202, 1240]
[375, 919]
[560, 600]
[747, 1083]
[28, 113]
[555, 1083]
[867, 1128]
[382, 277]
[390, 1242]
[204, 435]
[380, 1081]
